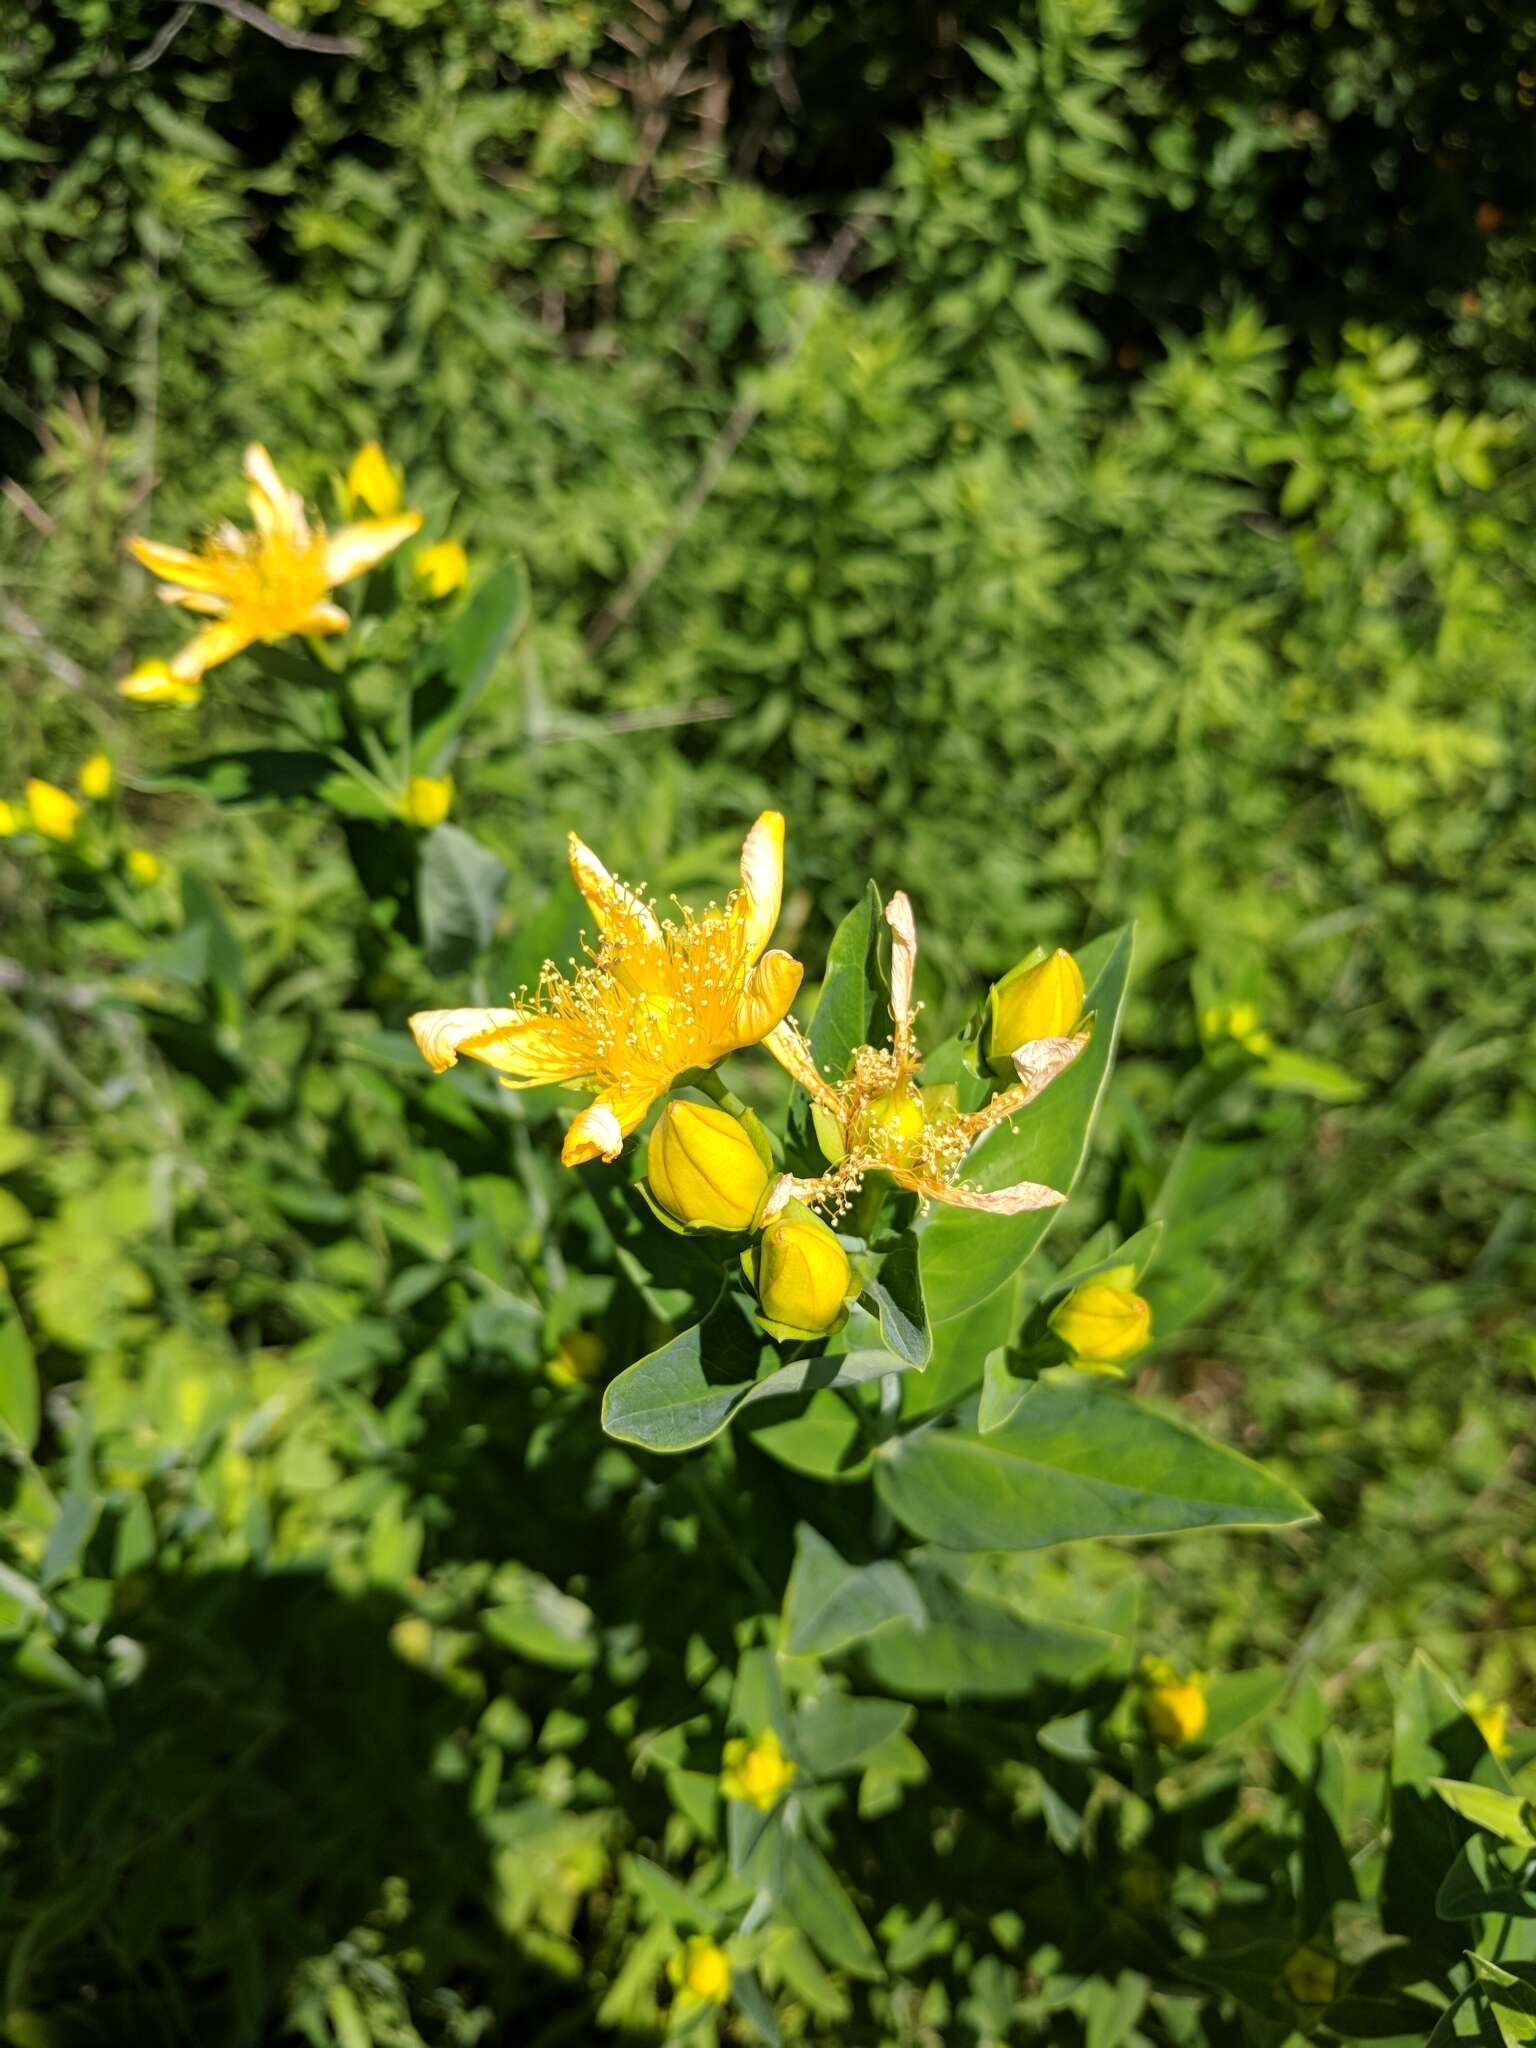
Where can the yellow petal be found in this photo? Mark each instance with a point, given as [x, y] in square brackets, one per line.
[374, 481]
[152, 682]
[442, 569]
[352, 549]
[601, 1128]
[771, 987]
[525, 1048]
[762, 879]
[323, 618]
[898, 915]
[181, 568]
[1014, 1201]
[53, 811]
[791, 1048]
[609, 901]
[205, 650]
[201, 601]
[274, 507]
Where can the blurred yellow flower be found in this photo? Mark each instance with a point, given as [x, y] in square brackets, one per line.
[143, 865]
[96, 778]
[656, 999]
[758, 1771]
[1310, 1976]
[152, 682]
[1491, 1720]
[262, 585]
[443, 568]
[1104, 1321]
[1241, 1022]
[701, 1972]
[1174, 1708]
[374, 481]
[53, 811]
[877, 1120]
[11, 820]
[578, 1357]
[428, 800]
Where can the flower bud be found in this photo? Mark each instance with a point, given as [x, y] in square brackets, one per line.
[757, 1771]
[428, 800]
[703, 1168]
[142, 865]
[1043, 1001]
[156, 682]
[53, 811]
[96, 778]
[11, 820]
[802, 1275]
[1310, 1976]
[1174, 1708]
[1491, 1719]
[373, 481]
[701, 1972]
[1103, 1321]
[441, 569]
[578, 1358]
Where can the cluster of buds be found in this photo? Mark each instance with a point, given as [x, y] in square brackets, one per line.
[63, 818]
[709, 1170]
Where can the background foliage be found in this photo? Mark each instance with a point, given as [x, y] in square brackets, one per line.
[1117, 436]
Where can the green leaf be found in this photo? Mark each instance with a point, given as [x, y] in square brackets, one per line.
[1480, 1881]
[19, 1404]
[897, 1293]
[815, 1900]
[1433, 1737]
[835, 1733]
[966, 1256]
[460, 886]
[534, 1619]
[851, 987]
[250, 776]
[1238, 1697]
[455, 671]
[1002, 1392]
[1502, 1813]
[1076, 1460]
[830, 1603]
[971, 1645]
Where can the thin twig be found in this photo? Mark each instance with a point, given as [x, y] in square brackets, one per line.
[727, 441]
[290, 38]
[163, 41]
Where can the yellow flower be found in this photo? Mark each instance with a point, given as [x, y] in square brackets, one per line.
[1239, 1021]
[143, 865]
[1310, 1976]
[1043, 1001]
[373, 480]
[428, 800]
[53, 811]
[262, 585]
[877, 1119]
[802, 1275]
[1104, 1321]
[1174, 1708]
[153, 683]
[701, 1971]
[757, 1771]
[655, 999]
[578, 1358]
[10, 820]
[703, 1168]
[1491, 1721]
[443, 568]
[96, 778]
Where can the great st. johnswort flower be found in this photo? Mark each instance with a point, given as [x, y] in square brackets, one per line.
[657, 998]
[700, 1971]
[757, 1771]
[878, 1120]
[263, 585]
[1174, 1708]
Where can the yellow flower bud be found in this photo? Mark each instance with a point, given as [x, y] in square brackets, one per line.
[96, 778]
[1175, 1710]
[143, 865]
[1103, 1321]
[703, 1168]
[11, 820]
[890, 1126]
[1310, 1976]
[701, 1971]
[578, 1358]
[156, 682]
[442, 568]
[53, 811]
[802, 1275]
[374, 481]
[1045, 1001]
[1491, 1722]
[428, 800]
[757, 1771]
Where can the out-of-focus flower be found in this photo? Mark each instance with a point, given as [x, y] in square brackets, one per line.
[53, 811]
[802, 1275]
[757, 1771]
[578, 1358]
[701, 1972]
[1043, 1001]
[1104, 1321]
[428, 800]
[374, 482]
[142, 865]
[1239, 1021]
[1173, 1708]
[153, 682]
[442, 568]
[1491, 1719]
[657, 999]
[877, 1120]
[703, 1168]
[11, 820]
[96, 777]
[265, 584]
[1311, 1976]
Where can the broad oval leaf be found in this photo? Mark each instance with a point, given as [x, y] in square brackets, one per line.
[460, 887]
[830, 1603]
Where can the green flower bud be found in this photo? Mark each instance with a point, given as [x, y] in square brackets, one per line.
[803, 1279]
[704, 1169]
[1041, 1001]
[1103, 1321]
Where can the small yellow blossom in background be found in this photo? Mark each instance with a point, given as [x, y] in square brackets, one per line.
[374, 481]
[578, 1358]
[1103, 1322]
[96, 778]
[1045, 1001]
[802, 1275]
[53, 811]
[1239, 1021]
[701, 1972]
[143, 865]
[263, 585]
[11, 820]
[442, 568]
[758, 1771]
[1310, 1976]
[657, 999]
[1491, 1720]
[428, 800]
[1173, 1708]
[703, 1168]
[153, 683]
